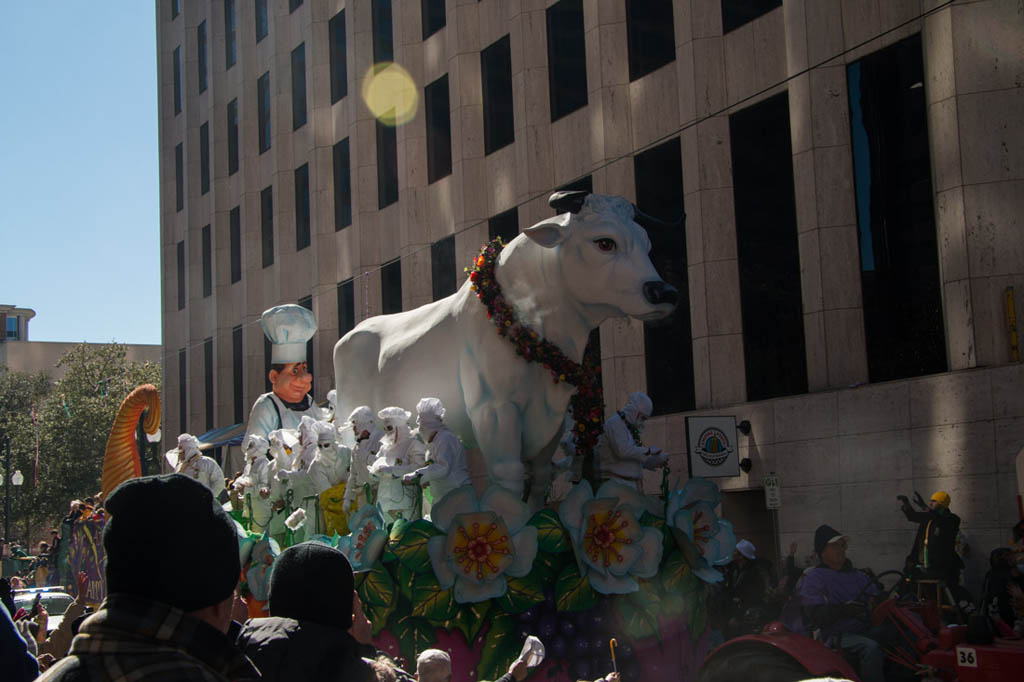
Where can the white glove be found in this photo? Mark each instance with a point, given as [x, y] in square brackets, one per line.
[283, 475]
[655, 461]
[410, 478]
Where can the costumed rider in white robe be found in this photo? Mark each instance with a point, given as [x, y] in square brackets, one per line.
[332, 405]
[283, 449]
[298, 480]
[446, 467]
[255, 481]
[186, 459]
[400, 454]
[622, 454]
[329, 472]
[288, 327]
[368, 438]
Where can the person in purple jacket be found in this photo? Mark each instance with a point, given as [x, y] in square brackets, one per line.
[834, 595]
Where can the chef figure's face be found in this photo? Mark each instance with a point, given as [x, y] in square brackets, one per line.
[292, 383]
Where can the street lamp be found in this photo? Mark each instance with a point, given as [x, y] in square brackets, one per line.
[16, 480]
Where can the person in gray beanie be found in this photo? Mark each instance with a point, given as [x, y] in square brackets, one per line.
[171, 571]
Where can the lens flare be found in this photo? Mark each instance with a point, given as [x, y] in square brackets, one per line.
[390, 93]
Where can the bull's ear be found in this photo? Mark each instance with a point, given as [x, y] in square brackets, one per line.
[550, 232]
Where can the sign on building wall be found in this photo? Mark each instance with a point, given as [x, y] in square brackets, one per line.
[712, 446]
[772, 491]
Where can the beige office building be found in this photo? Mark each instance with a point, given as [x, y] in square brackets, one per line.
[852, 174]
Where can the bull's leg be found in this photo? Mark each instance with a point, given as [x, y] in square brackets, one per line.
[497, 427]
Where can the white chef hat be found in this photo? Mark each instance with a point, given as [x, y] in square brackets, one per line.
[361, 417]
[429, 413]
[255, 444]
[747, 549]
[288, 327]
[325, 431]
[188, 445]
[395, 415]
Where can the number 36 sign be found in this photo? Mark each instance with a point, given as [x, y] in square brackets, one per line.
[966, 658]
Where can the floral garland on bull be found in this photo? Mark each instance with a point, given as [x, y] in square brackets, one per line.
[485, 572]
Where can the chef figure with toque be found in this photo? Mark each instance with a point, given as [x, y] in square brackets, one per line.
[368, 438]
[446, 467]
[186, 459]
[400, 454]
[288, 327]
[621, 453]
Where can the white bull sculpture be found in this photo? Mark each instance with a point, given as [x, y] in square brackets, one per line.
[563, 277]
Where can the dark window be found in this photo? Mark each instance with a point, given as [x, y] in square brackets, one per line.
[294, 5]
[584, 184]
[237, 357]
[433, 16]
[442, 267]
[342, 186]
[391, 287]
[439, 129]
[299, 87]
[235, 237]
[263, 115]
[204, 158]
[179, 177]
[176, 65]
[307, 303]
[346, 307]
[504, 225]
[233, 136]
[267, 225]
[651, 36]
[496, 81]
[668, 343]
[262, 25]
[208, 380]
[181, 275]
[383, 33]
[900, 279]
[182, 392]
[339, 58]
[201, 55]
[768, 250]
[230, 42]
[175, 8]
[268, 350]
[735, 13]
[302, 207]
[567, 58]
[387, 165]
[207, 261]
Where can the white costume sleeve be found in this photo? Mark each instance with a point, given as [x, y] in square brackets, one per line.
[447, 460]
[211, 475]
[620, 441]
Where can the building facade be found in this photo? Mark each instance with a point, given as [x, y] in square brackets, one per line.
[851, 172]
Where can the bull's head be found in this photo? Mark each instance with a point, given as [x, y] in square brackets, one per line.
[603, 254]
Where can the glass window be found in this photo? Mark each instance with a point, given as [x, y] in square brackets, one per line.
[201, 55]
[342, 186]
[496, 77]
[267, 354]
[302, 228]
[207, 261]
[175, 8]
[233, 136]
[346, 307]
[235, 229]
[237, 358]
[668, 343]
[267, 225]
[262, 24]
[387, 165]
[735, 13]
[176, 65]
[299, 87]
[179, 177]
[181, 275]
[294, 5]
[307, 303]
[651, 36]
[439, 129]
[391, 287]
[12, 327]
[567, 58]
[442, 267]
[900, 278]
[204, 158]
[230, 42]
[208, 381]
[339, 57]
[433, 16]
[767, 249]
[182, 393]
[383, 32]
[263, 114]
[504, 225]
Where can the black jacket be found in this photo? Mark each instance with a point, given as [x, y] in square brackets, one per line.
[935, 543]
[291, 650]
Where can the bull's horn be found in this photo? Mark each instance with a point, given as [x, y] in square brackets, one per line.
[571, 201]
[650, 222]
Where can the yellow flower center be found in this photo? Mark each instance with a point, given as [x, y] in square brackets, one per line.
[605, 537]
[481, 548]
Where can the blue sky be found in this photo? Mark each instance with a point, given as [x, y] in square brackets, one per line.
[79, 195]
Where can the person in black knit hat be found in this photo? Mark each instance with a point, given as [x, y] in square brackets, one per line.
[171, 571]
[316, 629]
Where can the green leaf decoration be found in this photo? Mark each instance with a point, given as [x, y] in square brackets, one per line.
[551, 534]
[411, 544]
[573, 592]
[378, 617]
[394, 536]
[546, 567]
[404, 579]
[501, 646]
[677, 576]
[698, 615]
[469, 619]
[378, 587]
[649, 519]
[637, 613]
[414, 635]
[522, 594]
[430, 601]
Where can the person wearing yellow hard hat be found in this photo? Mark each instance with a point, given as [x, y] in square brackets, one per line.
[933, 554]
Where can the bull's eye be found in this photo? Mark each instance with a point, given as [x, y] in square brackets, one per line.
[605, 244]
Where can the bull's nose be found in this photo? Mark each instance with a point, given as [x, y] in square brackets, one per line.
[658, 292]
